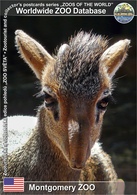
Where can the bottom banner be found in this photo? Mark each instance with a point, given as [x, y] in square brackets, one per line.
[69, 187]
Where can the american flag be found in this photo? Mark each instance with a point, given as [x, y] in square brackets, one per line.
[13, 184]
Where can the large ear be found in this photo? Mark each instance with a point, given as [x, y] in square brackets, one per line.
[32, 52]
[114, 56]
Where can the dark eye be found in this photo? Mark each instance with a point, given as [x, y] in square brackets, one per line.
[49, 100]
[102, 104]
[50, 103]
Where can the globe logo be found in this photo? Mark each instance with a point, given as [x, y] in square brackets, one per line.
[124, 13]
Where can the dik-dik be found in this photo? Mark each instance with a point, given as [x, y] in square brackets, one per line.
[76, 84]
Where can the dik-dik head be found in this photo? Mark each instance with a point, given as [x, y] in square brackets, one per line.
[77, 86]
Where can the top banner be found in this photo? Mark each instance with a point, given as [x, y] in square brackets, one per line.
[71, 8]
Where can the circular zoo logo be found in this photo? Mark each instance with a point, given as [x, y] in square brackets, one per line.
[124, 13]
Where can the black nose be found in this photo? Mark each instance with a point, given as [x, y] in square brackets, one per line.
[77, 165]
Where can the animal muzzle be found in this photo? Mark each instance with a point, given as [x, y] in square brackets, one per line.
[79, 144]
[79, 157]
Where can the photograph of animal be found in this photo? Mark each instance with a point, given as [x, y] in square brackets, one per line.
[76, 85]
